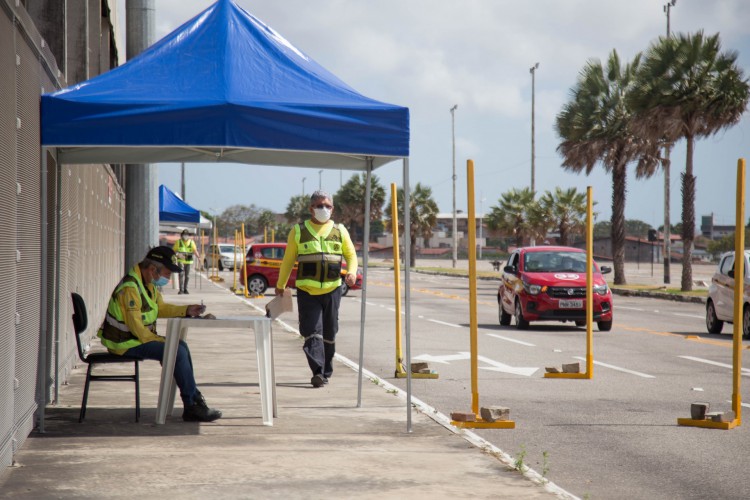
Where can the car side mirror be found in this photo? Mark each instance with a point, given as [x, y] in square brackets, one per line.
[510, 269]
[606, 269]
[731, 273]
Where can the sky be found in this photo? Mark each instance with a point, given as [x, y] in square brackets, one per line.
[429, 55]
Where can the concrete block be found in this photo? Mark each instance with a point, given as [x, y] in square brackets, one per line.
[463, 417]
[494, 413]
[416, 367]
[726, 416]
[698, 410]
[551, 369]
[571, 368]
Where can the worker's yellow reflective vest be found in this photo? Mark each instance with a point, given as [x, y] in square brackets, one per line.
[187, 248]
[319, 258]
[114, 333]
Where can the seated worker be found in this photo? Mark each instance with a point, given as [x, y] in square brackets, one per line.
[129, 327]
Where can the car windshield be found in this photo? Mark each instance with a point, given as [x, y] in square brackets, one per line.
[554, 262]
[229, 249]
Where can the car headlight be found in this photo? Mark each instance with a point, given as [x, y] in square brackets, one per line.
[532, 289]
[600, 289]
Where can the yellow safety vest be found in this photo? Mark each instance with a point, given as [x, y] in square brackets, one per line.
[319, 257]
[114, 333]
[187, 248]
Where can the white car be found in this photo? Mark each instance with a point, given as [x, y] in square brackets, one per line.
[225, 254]
[720, 303]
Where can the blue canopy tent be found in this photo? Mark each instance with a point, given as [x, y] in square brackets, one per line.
[225, 87]
[173, 209]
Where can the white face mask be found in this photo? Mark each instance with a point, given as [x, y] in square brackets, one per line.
[322, 214]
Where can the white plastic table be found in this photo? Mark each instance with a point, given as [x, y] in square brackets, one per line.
[177, 329]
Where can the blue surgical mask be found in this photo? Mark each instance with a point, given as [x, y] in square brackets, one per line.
[162, 281]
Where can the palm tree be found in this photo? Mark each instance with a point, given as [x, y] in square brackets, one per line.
[516, 214]
[593, 127]
[687, 88]
[350, 202]
[566, 211]
[422, 216]
[298, 209]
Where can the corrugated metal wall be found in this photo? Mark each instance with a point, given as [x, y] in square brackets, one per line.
[85, 236]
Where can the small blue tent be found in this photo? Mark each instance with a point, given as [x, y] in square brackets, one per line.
[173, 209]
[223, 87]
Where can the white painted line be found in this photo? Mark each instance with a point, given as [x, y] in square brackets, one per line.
[741, 404]
[613, 367]
[510, 340]
[444, 323]
[699, 316]
[630, 308]
[744, 371]
[497, 366]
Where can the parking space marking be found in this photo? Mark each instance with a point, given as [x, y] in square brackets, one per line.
[744, 371]
[619, 369]
[699, 316]
[510, 340]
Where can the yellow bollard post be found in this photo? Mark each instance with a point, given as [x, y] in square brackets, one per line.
[589, 294]
[400, 371]
[479, 423]
[265, 234]
[273, 236]
[739, 282]
[244, 263]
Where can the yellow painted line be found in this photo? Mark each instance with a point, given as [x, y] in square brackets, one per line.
[692, 338]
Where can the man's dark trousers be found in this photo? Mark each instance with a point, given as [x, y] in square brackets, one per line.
[318, 324]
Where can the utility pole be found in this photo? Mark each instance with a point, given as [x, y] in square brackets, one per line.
[320, 180]
[141, 202]
[667, 233]
[182, 181]
[455, 224]
[532, 70]
[303, 185]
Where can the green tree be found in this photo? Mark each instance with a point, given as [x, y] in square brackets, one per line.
[602, 229]
[637, 228]
[687, 88]
[234, 216]
[423, 212]
[593, 127]
[565, 209]
[517, 214]
[350, 203]
[298, 209]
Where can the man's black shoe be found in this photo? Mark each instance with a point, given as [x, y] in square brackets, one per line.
[199, 411]
[185, 291]
[325, 380]
[179, 293]
[318, 380]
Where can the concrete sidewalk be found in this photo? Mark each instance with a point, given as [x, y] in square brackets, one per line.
[320, 446]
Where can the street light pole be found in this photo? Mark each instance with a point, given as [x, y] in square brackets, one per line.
[667, 149]
[303, 185]
[455, 224]
[481, 223]
[320, 179]
[532, 70]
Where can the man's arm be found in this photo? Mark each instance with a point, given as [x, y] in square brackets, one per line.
[350, 255]
[167, 310]
[290, 257]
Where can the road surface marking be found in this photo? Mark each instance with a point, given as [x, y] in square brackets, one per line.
[630, 308]
[494, 365]
[741, 404]
[699, 316]
[510, 340]
[502, 367]
[745, 372]
[613, 367]
[444, 323]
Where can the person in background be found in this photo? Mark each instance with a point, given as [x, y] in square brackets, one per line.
[129, 327]
[320, 246]
[186, 252]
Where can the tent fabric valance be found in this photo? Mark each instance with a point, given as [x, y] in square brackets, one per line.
[223, 87]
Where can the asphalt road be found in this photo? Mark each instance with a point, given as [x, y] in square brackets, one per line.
[615, 436]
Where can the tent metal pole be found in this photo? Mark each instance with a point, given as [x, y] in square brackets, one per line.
[44, 324]
[407, 290]
[365, 254]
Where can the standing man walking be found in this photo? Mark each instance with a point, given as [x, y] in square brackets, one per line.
[186, 251]
[319, 245]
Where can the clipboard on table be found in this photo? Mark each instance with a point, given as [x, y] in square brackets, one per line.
[279, 305]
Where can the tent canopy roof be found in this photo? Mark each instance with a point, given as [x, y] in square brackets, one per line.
[173, 209]
[223, 87]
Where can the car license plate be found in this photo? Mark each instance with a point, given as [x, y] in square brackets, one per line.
[571, 304]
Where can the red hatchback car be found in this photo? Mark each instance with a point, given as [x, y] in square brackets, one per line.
[548, 283]
[263, 262]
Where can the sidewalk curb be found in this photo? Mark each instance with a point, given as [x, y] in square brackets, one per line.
[439, 418]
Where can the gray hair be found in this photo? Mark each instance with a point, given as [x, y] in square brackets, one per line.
[319, 195]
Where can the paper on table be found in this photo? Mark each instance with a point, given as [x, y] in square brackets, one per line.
[280, 304]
